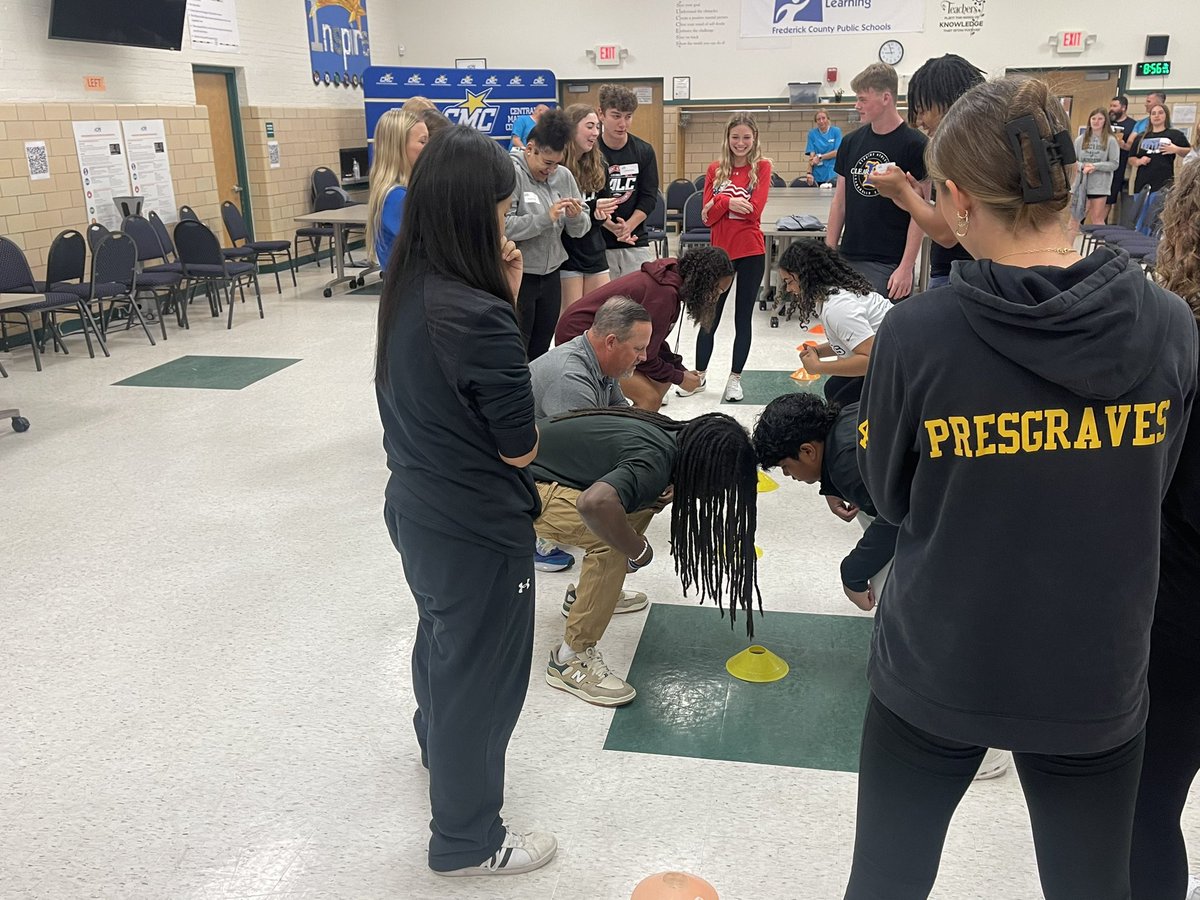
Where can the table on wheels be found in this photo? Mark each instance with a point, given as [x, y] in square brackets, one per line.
[339, 219]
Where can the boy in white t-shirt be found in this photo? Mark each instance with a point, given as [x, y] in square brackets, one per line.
[820, 284]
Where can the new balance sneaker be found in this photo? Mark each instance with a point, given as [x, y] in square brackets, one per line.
[518, 854]
[679, 391]
[549, 557]
[995, 764]
[631, 601]
[733, 389]
[587, 677]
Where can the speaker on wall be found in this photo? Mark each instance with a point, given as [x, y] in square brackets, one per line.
[1156, 44]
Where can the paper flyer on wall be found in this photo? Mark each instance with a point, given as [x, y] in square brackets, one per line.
[213, 25]
[103, 169]
[150, 166]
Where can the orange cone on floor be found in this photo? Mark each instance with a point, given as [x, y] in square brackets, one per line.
[674, 886]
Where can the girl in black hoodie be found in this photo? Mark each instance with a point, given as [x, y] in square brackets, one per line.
[1159, 866]
[1020, 425]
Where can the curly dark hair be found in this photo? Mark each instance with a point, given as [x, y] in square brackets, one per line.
[939, 82]
[1178, 267]
[789, 422]
[820, 270]
[553, 130]
[701, 268]
[715, 510]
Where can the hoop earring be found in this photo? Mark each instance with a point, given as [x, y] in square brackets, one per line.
[964, 222]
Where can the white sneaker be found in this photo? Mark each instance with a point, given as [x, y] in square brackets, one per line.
[518, 854]
[631, 601]
[1193, 888]
[733, 389]
[587, 677]
[995, 764]
[680, 392]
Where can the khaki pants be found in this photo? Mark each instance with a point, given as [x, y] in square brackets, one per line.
[603, 573]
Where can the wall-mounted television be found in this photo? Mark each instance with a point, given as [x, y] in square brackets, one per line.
[135, 23]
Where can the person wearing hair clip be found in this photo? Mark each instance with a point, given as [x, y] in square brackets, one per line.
[1054, 392]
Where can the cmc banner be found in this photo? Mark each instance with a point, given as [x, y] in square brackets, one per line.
[488, 100]
[779, 18]
[339, 48]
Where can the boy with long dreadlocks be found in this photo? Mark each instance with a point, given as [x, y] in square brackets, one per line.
[601, 475]
[819, 283]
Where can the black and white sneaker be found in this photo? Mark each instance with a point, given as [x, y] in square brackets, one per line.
[520, 853]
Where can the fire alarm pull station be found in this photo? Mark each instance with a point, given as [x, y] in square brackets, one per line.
[831, 74]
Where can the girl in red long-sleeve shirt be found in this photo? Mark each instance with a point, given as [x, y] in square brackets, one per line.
[735, 192]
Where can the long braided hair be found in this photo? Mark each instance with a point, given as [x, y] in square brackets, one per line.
[820, 270]
[714, 513]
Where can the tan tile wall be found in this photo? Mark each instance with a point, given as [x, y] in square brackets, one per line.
[33, 212]
[308, 137]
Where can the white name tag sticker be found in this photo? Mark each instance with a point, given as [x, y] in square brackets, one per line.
[630, 169]
[531, 197]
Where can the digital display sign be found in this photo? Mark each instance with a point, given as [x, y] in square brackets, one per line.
[1150, 69]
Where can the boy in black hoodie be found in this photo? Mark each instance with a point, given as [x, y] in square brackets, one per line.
[1021, 426]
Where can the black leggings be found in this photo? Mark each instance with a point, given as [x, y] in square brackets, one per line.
[1159, 866]
[910, 782]
[749, 272]
[538, 304]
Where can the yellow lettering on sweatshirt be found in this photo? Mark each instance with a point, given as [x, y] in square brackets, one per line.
[1034, 430]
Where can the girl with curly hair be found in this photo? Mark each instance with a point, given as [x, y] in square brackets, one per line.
[1159, 864]
[693, 283]
[820, 284]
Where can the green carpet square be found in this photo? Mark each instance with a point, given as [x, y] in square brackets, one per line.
[689, 705]
[760, 387]
[220, 373]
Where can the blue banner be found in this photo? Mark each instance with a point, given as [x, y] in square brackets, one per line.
[488, 100]
[338, 46]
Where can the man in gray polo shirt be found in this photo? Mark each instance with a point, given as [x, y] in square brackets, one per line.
[585, 372]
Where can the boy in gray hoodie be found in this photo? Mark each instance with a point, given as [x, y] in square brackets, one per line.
[546, 201]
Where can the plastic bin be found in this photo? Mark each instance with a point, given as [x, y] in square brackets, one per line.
[803, 91]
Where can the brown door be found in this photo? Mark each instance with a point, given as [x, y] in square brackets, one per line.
[647, 121]
[1084, 87]
[212, 90]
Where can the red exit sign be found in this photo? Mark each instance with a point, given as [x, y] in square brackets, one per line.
[608, 54]
[1072, 41]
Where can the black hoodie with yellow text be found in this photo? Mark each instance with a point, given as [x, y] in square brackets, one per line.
[1021, 426]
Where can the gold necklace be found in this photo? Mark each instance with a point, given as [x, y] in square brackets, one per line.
[1061, 251]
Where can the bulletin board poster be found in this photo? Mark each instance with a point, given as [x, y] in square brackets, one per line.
[102, 167]
[781, 18]
[339, 46]
[150, 167]
[488, 100]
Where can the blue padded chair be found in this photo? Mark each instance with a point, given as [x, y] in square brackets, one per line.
[204, 263]
[695, 232]
[235, 225]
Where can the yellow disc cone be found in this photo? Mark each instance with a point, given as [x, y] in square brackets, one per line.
[758, 551]
[756, 664]
[766, 483]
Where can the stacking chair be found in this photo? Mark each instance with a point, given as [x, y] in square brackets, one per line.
[314, 233]
[235, 225]
[115, 281]
[322, 178]
[17, 278]
[777, 180]
[204, 263]
[66, 264]
[802, 182]
[187, 214]
[95, 234]
[336, 198]
[159, 279]
[677, 193]
[699, 182]
[694, 229]
[656, 226]
[1131, 212]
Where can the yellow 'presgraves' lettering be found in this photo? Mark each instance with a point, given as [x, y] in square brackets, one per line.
[1162, 419]
[1142, 435]
[1117, 417]
[862, 433]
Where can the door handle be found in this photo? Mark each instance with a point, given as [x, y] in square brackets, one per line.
[237, 188]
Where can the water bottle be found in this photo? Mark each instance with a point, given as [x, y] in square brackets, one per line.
[357, 172]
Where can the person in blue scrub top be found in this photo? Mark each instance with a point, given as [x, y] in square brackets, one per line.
[823, 142]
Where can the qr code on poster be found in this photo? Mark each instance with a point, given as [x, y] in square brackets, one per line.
[39, 161]
[273, 154]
